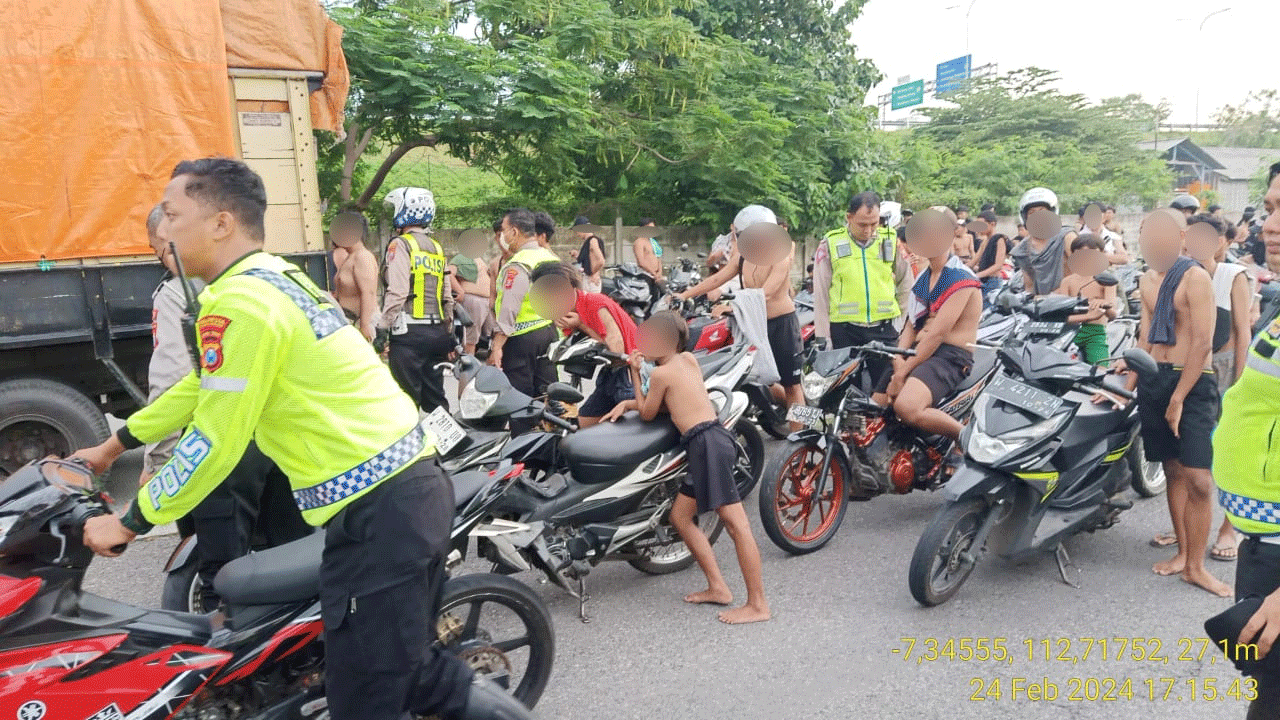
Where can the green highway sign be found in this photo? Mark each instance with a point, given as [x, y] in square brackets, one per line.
[907, 95]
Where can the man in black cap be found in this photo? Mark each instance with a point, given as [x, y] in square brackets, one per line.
[590, 255]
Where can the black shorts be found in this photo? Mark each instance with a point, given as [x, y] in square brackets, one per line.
[613, 385]
[1199, 416]
[711, 454]
[784, 342]
[942, 372]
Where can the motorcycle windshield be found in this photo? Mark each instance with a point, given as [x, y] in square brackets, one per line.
[831, 362]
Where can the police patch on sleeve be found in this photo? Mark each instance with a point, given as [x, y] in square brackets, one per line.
[192, 450]
[510, 278]
[210, 329]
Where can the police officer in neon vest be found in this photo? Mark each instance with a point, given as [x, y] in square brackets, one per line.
[417, 307]
[1246, 468]
[520, 343]
[861, 282]
[279, 363]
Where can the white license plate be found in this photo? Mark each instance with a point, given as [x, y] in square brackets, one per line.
[806, 415]
[447, 431]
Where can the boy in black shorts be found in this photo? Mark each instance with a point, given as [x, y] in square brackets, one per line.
[1178, 405]
[946, 305]
[676, 386]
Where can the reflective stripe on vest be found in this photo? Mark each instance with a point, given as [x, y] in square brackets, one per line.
[424, 266]
[325, 317]
[365, 475]
[527, 320]
[1250, 508]
[863, 289]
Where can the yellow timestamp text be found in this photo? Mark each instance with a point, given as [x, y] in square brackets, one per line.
[1069, 650]
[1112, 689]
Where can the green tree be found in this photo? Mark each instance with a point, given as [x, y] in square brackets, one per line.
[1253, 123]
[1004, 135]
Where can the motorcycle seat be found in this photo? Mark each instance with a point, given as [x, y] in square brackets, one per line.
[286, 573]
[983, 361]
[715, 362]
[609, 451]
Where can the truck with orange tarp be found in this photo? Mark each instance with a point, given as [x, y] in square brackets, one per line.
[101, 100]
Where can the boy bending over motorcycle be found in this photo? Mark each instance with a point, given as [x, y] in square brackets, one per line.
[946, 304]
[675, 386]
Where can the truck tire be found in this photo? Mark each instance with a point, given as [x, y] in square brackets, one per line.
[39, 418]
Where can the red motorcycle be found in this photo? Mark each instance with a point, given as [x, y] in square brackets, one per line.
[67, 654]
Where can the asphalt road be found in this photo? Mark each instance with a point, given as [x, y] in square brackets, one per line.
[835, 646]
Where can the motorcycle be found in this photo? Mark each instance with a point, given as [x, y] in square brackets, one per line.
[1043, 463]
[851, 448]
[605, 492]
[68, 653]
[632, 288]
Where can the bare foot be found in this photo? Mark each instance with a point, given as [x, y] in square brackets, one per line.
[1170, 567]
[718, 596]
[1202, 579]
[745, 614]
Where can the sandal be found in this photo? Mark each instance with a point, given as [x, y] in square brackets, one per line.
[1223, 553]
[1165, 539]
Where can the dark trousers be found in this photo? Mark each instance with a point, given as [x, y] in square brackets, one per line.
[381, 584]
[413, 358]
[874, 366]
[1258, 573]
[524, 360]
[225, 520]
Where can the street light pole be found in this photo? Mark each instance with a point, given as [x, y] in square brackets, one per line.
[1199, 32]
[966, 28]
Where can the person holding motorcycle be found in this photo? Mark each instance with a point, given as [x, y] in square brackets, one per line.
[943, 324]
[417, 307]
[1248, 479]
[280, 363]
[861, 282]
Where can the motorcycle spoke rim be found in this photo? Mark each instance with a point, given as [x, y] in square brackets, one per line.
[802, 471]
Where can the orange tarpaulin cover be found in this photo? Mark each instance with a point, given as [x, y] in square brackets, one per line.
[101, 99]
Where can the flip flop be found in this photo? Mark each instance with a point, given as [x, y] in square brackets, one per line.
[1224, 553]
[1164, 540]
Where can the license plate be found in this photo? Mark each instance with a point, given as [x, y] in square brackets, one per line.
[806, 415]
[1041, 327]
[447, 431]
[1025, 397]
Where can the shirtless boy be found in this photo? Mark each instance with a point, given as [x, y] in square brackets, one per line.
[472, 285]
[355, 282]
[775, 281]
[1086, 260]
[1179, 405]
[676, 386]
[946, 305]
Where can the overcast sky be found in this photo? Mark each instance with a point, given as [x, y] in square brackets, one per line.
[1101, 48]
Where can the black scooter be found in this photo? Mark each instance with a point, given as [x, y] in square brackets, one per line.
[1043, 462]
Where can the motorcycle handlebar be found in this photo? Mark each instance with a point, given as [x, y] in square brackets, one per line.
[558, 421]
[881, 348]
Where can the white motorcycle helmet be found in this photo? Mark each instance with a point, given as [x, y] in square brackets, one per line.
[1037, 196]
[412, 206]
[752, 214]
[891, 213]
[1186, 203]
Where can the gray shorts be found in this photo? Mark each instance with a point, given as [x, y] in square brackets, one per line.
[482, 320]
[1224, 368]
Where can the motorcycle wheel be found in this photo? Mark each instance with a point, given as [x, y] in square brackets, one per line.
[937, 568]
[750, 462]
[786, 498]
[182, 588]
[1147, 478]
[776, 429]
[675, 555]
[467, 626]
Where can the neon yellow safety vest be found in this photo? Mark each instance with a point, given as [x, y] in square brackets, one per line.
[862, 285]
[1246, 447]
[527, 320]
[426, 270]
[279, 364]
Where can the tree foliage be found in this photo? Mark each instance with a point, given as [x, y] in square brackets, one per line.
[680, 109]
[1253, 123]
[1004, 135]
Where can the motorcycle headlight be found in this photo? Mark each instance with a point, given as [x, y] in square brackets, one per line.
[815, 385]
[473, 404]
[988, 449]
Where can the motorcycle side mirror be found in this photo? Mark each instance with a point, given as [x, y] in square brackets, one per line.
[1140, 361]
[1106, 279]
[563, 393]
[461, 315]
[702, 255]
